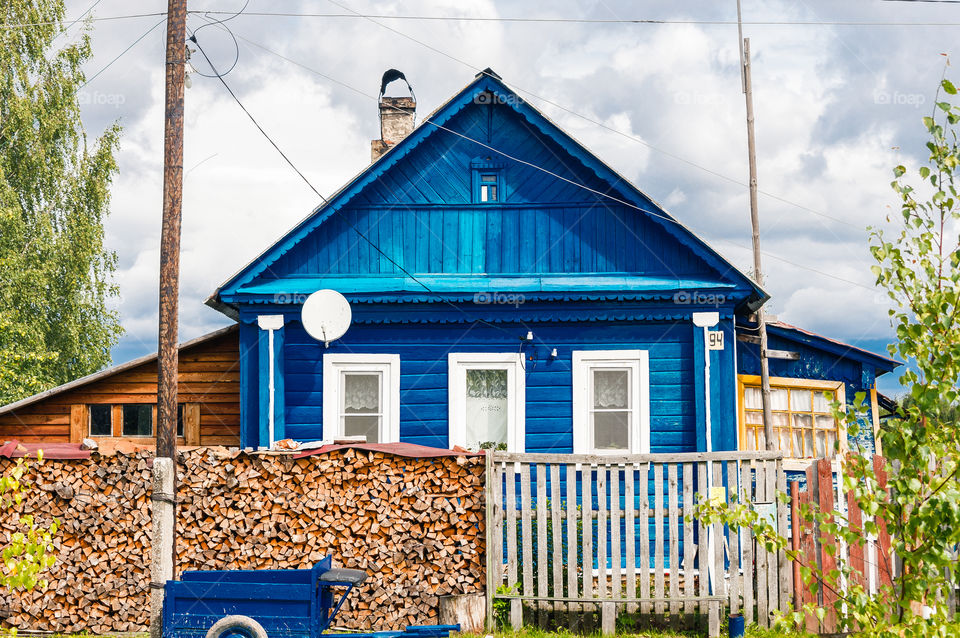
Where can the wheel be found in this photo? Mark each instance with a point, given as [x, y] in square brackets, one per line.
[236, 627]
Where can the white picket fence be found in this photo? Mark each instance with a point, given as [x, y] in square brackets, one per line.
[572, 539]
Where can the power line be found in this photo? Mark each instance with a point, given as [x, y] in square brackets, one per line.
[82, 15]
[122, 53]
[607, 127]
[545, 20]
[546, 171]
[24, 25]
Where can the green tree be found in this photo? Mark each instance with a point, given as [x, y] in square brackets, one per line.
[55, 274]
[918, 265]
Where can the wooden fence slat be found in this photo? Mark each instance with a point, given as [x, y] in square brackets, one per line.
[773, 581]
[543, 580]
[795, 543]
[733, 539]
[573, 542]
[809, 543]
[607, 614]
[783, 563]
[674, 521]
[855, 520]
[490, 533]
[747, 493]
[587, 507]
[557, 529]
[763, 615]
[658, 537]
[516, 606]
[616, 583]
[643, 492]
[719, 581]
[498, 523]
[827, 558]
[631, 535]
[703, 550]
[884, 556]
[689, 547]
[526, 532]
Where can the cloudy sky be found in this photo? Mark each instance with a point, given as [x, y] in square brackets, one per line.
[837, 105]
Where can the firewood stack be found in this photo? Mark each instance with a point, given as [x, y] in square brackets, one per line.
[414, 525]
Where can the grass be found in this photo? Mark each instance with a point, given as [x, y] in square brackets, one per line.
[752, 632]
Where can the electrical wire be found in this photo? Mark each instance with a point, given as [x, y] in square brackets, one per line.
[24, 25]
[612, 21]
[607, 127]
[69, 26]
[236, 47]
[551, 173]
[122, 53]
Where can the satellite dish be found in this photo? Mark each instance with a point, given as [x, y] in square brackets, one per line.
[326, 315]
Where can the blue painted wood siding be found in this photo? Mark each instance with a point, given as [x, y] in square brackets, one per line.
[420, 213]
[423, 353]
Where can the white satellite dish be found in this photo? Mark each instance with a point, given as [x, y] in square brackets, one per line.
[326, 315]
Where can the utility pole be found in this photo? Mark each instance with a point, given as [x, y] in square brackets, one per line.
[755, 224]
[170, 230]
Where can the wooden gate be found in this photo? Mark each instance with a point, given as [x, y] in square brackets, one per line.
[573, 539]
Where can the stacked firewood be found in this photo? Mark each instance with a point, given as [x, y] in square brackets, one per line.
[414, 525]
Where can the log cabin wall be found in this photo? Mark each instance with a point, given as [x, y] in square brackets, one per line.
[415, 525]
[209, 386]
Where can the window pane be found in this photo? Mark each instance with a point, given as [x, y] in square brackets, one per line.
[486, 407]
[611, 430]
[101, 420]
[611, 389]
[778, 398]
[754, 417]
[826, 422]
[752, 399]
[138, 420]
[489, 179]
[493, 193]
[361, 393]
[804, 421]
[800, 400]
[780, 420]
[797, 443]
[808, 443]
[821, 444]
[484, 193]
[761, 439]
[180, 419]
[751, 436]
[368, 426]
[831, 442]
[784, 436]
[821, 402]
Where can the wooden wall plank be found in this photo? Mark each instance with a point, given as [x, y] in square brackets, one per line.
[78, 422]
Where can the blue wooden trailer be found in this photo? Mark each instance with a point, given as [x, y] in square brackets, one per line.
[287, 603]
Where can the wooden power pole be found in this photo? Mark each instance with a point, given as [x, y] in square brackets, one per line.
[170, 230]
[755, 223]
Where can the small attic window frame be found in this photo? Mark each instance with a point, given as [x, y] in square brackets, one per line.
[487, 181]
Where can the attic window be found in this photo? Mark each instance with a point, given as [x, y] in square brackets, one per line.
[487, 180]
[488, 187]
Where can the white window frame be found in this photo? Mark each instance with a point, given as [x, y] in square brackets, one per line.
[388, 365]
[584, 361]
[457, 365]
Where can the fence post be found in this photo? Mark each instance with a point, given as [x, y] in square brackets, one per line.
[161, 541]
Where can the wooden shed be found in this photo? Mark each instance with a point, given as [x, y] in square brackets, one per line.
[118, 405]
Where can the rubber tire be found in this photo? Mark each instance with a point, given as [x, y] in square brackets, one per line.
[237, 626]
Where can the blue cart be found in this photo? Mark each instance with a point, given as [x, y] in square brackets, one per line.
[286, 603]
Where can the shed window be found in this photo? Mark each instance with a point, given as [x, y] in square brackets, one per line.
[611, 402]
[361, 397]
[101, 420]
[137, 420]
[486, 400]
[803, 422]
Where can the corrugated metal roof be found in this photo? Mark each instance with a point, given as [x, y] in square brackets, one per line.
[893, 363]
[96, 376]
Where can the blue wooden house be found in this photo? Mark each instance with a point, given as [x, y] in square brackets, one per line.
[509, 287]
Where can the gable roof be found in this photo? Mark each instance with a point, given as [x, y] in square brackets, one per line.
[489, 84]
[109, 372]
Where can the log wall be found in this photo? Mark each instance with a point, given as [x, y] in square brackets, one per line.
[415, 525]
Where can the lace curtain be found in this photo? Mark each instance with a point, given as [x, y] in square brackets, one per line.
[486, 407]
[487, 384]
[611, 389]
[361, 393]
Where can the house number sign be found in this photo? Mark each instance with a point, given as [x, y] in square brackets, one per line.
[715, 340]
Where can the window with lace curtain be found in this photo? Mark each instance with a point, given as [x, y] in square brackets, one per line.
[803, 422]
[486, 400]
[361, 397]
[611, 402]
